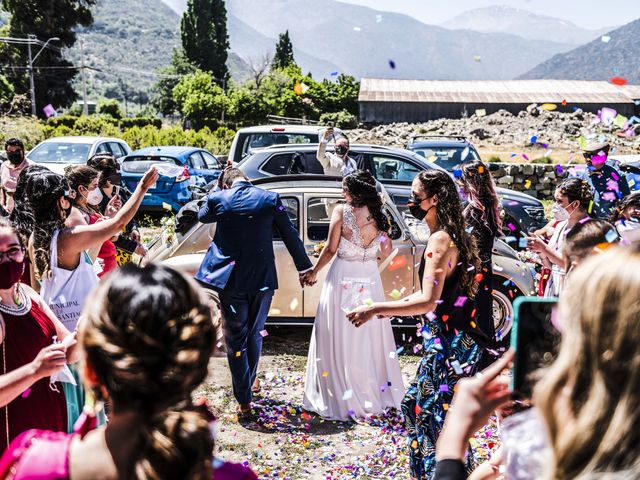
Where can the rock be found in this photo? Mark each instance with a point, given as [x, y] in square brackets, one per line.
[480, 133]
[507, 179]
[528, 169]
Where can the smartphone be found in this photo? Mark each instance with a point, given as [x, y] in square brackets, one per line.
[116, 190]
[536, 340]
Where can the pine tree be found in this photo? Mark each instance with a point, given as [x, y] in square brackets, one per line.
[45, 19]
[204, 36]
[284, 52]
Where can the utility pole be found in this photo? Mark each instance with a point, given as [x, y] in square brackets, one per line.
[85, 107]
[32, 87]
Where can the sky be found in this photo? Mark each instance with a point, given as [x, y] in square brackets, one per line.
[591, 14]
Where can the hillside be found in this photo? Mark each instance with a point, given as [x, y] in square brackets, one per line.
[597, 60]
[526, 24]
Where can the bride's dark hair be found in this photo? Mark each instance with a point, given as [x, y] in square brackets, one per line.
[362, 187]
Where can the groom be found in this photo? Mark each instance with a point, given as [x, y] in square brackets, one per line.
[240, 266]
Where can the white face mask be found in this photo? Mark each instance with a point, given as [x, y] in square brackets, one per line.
[94, 197]
[560, 213]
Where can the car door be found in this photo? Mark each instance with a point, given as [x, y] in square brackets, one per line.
[198, 170]
[212, 166]
[287, 303]
[117, 149]
[396, 174]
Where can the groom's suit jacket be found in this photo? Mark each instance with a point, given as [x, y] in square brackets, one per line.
[240, 257]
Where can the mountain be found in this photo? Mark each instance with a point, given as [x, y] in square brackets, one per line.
[597, 60]
[330, 36]
[523, 23]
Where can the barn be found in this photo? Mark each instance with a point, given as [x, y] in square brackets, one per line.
[388, 100]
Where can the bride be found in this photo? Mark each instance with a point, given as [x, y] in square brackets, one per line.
[352, 374]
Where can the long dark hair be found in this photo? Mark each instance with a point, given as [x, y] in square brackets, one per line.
[43, 191]
[22, 216]
[148, 336]
[451, 220]
[483, 200]
[106, 164]
[577, 189]
[362, 187]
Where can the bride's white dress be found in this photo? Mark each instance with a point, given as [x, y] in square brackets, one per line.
[351, 372]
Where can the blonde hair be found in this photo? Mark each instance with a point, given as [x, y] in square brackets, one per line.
[590, 396]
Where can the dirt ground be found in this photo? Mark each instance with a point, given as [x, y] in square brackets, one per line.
[284, 442]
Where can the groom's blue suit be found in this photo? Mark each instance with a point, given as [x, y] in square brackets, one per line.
[240, 266]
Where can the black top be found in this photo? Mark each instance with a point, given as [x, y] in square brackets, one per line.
[450, 469]
[450, 316]
[483, 233]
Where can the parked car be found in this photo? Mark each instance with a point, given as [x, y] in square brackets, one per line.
[305, 198]
[630, 165]
[249, 139]
[181, 170]
[58, 152]
[395, 169]
[447, 152]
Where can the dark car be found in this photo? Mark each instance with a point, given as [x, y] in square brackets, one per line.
[395, 169]
[181, 170]
[446, 152]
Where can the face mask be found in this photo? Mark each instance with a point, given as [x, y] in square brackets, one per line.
[10, 273]
[559, 213]
[341, 150]
[15, 157]
[94, 197]
[415, 209]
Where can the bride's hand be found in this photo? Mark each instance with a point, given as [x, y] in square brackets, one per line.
[360, 315]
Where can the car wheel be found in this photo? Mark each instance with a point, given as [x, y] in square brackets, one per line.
[503, 311]
[216, 316]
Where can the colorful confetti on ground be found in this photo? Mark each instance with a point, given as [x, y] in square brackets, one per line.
[284, 442]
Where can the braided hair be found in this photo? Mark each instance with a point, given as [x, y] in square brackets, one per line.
[363, 190]
[44, 190]
[479, 185]
[451, 220]
[577, 189]
[148, 336]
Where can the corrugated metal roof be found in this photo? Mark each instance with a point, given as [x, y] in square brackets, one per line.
[490, 91]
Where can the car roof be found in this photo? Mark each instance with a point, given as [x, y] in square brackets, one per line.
[174, 150]
[438, 143]
[314, 146]
[281, 129]
[82, 139]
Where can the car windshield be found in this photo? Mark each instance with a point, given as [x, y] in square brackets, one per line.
[448, 157]
[255, 141]
[60, 152]
[166, 166]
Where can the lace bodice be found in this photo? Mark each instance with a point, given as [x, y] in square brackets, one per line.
[351, 246]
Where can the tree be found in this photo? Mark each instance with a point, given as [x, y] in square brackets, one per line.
[46, 19]
[163, 99]
[204, 36]
[259, 67]
[199, 98]
[284, 52]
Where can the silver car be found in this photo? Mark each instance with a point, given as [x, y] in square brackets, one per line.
[308, 200]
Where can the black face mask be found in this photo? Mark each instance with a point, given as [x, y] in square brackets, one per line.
[415, 210]
[341, 150]
[15, 158]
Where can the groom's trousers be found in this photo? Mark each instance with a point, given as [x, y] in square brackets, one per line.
[244, 316]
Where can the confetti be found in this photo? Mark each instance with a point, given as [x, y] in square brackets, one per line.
[26, 393]
[611, 236]
[549, 107]
[527, 184]
[264, 333]
[334, 74]
[481, 112]
[325, 374]
[619, 81]
[392, 64]
[357, 29]
[477, 58]
[460, 301]
[457, 173]
[395, 294]
[533, 140]
[347, 395]
[605, 38]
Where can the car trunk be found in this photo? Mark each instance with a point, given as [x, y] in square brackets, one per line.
[169, 169]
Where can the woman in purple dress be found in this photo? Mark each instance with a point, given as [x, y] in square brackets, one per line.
[147, 337]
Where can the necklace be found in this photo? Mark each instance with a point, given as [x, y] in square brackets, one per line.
[22, 301]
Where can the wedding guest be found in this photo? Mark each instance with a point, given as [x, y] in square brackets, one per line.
[585, 239]
[10, 171]
[482, 214]
[83, 181]
[586, 402]
[146, 338]
[59, 254]
[626, 217]
[451, 336]
[28, 328]
[338, 163]
[573, 199]
[110, 183]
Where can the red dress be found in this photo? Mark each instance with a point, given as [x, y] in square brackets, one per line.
[107, 252]
[39, 407]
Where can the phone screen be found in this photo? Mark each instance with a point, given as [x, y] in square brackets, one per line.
[536, 341]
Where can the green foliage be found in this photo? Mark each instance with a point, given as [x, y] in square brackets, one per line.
[27, 128]
[101, 125]
[110, 108]
[199, 98]
[342, 119]
[284, 52]
[218, 142]
[46, 19]
[163, 99]
[204, 36]
[140, 122]
[6, 90]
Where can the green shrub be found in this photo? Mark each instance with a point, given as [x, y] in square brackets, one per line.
[110, 108]
[66, 120]
[140, 122]
[100, 125]
[28, 129]
[342, 119]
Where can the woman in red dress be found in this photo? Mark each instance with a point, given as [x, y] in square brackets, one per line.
[27, 328]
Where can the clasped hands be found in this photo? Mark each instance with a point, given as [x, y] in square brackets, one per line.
[308, 278]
